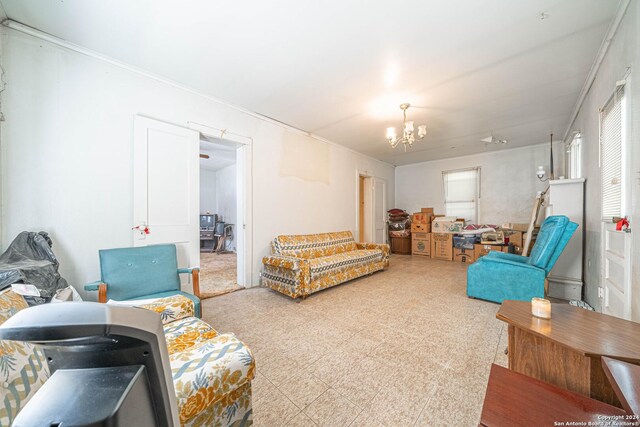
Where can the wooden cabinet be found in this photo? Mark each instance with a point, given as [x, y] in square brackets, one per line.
[401, 245]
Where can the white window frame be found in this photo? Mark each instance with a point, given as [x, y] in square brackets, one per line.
[478, 191]
[624, 158]
[574, 157]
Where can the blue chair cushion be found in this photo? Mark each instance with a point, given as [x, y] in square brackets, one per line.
[550, 234]
[139, 272]
[195, 299]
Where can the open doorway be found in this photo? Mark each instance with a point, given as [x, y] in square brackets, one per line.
[219, 219]
[372, 206]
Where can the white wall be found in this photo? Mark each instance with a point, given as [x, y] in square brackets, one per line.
[226, 196]
[67, 156]
[508, 184]
[623, 52]
[207, 191]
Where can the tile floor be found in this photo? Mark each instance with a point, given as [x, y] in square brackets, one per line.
[402, 347]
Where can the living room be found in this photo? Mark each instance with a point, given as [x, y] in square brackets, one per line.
[314, 97]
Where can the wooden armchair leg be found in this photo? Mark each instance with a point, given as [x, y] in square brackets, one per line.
[195, 280]
[102, 293]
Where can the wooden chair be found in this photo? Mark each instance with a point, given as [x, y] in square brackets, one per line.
[142, 273]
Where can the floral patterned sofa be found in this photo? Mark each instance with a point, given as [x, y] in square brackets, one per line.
[300, 265]
[211, 372]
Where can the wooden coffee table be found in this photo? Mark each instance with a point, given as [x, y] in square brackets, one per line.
[566, 350]
[516, 400]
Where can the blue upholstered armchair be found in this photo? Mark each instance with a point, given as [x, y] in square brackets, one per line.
[500, 276]
[141, 273]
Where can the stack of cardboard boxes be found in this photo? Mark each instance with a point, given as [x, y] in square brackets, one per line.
[435, 236]
[421, 232]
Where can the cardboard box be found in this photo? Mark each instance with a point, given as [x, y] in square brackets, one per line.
[442, 246]
[434, 216]
[464, 242]
[421, 244]
[481, 250]
[417, 227]
[427, 210]
[464, 255]
[516, 238]
[516, 226]
[447, 224]
[420, 218]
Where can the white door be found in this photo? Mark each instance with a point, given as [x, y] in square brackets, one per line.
[616, 271]
[368, 224]
[379, 210]
[166, 187]
[243, 220]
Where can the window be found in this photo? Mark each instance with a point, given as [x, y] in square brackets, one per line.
[461, 193]
[612, 135]
[574, 157]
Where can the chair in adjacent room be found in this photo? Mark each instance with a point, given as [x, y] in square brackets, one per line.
[143, 273]
[501, 276]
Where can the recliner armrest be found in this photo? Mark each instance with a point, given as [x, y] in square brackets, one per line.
[507, 256]
[510, 263]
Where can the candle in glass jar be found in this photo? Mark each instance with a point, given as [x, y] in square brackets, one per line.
[541, 308]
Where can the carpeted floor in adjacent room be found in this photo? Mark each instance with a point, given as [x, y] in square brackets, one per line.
[218, 274]
[402, 347]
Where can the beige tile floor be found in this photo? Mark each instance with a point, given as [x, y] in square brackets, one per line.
[402, 347]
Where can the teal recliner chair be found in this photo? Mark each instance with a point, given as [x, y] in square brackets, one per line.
[141, 273]
[500, 276]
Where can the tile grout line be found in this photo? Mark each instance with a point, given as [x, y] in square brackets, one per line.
[287, 397]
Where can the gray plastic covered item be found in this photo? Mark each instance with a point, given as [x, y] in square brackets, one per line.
[29, 259]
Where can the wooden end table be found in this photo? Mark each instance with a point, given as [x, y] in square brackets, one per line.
[566, 350]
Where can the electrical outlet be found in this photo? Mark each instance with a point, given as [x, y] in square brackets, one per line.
[589, 263]
[600, 292]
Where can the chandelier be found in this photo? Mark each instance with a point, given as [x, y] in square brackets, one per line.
[408, 134]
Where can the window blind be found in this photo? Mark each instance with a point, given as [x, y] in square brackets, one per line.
[611, 140]
[461, 193]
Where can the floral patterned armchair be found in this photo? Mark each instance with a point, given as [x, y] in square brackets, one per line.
[211, 372]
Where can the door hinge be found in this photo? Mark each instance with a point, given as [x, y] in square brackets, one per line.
[600, 292]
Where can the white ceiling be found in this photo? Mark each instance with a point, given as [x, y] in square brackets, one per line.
[222, 153]
[340, 68]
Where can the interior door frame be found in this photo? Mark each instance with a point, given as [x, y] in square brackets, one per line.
[365, 174]
[384, 205]
[244, 185]
[368, 175]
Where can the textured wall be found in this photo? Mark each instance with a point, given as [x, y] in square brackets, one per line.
[67, 157]
[226, 195]
[207, 191]
[508, 183]
[623, 52]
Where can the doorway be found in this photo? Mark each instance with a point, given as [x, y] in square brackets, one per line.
[371, 224]
[218, 216]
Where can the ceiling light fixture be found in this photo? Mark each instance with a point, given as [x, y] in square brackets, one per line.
[408, 134]
[494, 140]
